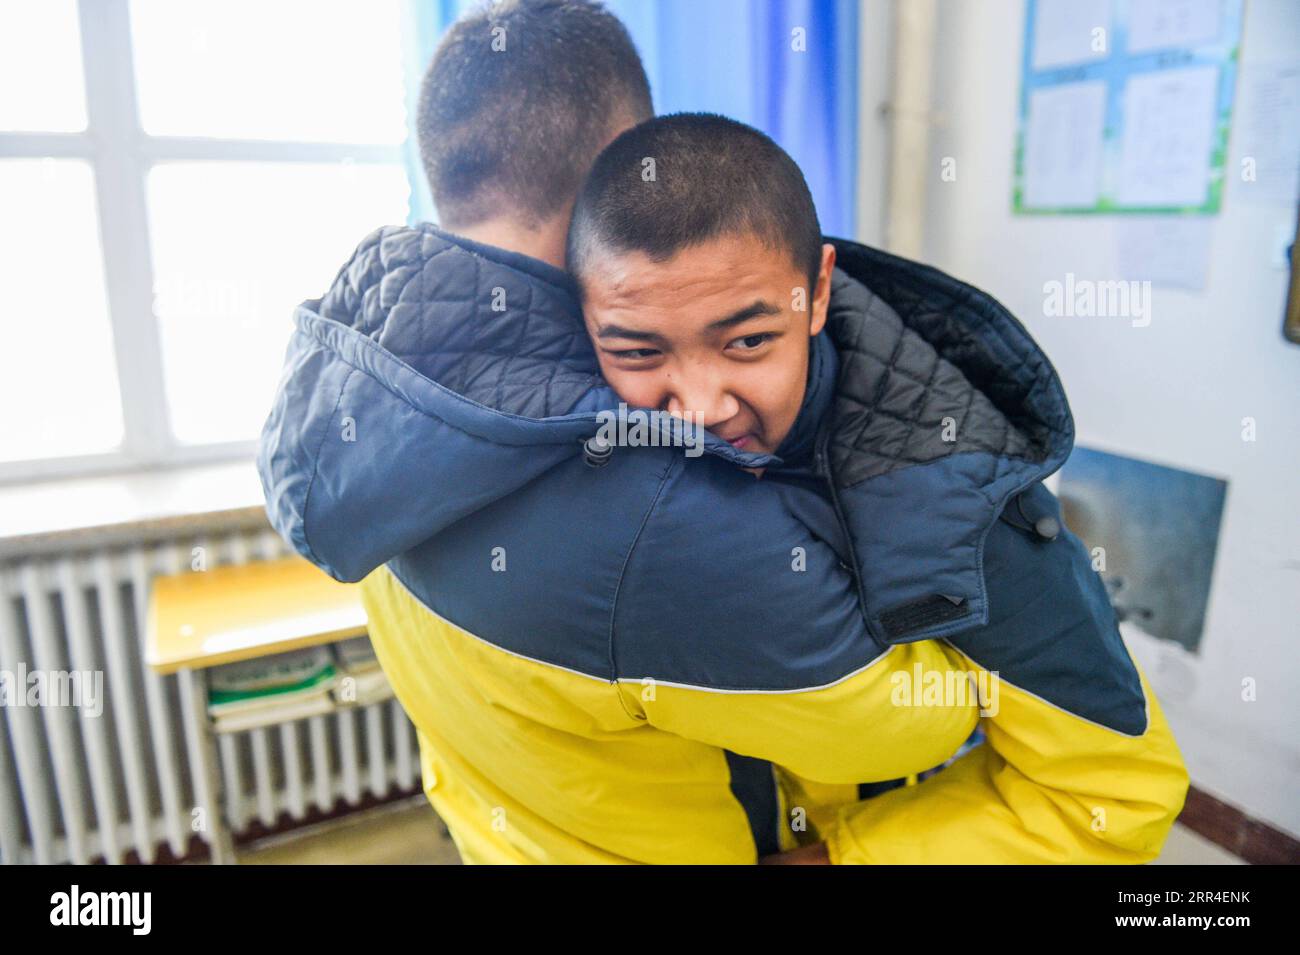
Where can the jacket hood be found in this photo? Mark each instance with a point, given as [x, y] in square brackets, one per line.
[437, 375]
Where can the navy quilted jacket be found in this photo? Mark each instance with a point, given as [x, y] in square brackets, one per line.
[665, 639]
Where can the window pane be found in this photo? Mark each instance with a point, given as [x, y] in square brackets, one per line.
[236, 246]
[58, 377]
[290, 70]
[40, 55]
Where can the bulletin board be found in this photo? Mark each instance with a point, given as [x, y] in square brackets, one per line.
[1125, 105]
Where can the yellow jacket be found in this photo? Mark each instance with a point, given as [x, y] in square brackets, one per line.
[529, 763]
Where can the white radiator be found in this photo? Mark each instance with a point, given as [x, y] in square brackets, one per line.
[78, 787]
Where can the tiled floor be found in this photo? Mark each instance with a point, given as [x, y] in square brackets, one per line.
[410, 833]
[1184, 847]
[405, 833]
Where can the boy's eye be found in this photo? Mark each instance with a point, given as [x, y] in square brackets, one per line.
[757, 340]
[635, 353]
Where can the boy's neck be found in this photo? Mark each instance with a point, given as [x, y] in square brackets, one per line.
[544, 242]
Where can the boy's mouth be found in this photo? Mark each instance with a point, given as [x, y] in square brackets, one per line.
[741, 441]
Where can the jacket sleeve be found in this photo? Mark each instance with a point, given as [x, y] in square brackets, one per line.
[1078, 765]
[1045, 787]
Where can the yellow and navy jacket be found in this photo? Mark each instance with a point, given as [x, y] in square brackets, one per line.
[890, 642]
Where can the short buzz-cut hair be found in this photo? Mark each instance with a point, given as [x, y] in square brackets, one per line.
[710, 177]
[519, 98]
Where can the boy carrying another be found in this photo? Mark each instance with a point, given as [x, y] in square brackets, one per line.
[630, 654]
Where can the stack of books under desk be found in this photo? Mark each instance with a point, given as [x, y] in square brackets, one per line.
[284, 687]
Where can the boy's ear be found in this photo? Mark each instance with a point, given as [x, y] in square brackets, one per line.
[822, 295]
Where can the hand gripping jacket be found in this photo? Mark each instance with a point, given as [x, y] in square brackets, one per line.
[661, 659]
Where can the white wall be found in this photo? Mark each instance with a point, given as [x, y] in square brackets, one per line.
[1174, 392]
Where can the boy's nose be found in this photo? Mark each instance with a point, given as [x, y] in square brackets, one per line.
[713, 406]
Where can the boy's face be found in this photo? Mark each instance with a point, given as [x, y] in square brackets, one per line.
[721, 330]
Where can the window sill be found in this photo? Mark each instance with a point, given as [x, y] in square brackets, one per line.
[58, 515]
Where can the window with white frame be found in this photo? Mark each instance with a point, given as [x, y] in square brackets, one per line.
[174, 179]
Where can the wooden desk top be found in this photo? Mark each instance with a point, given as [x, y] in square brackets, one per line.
[206, 618]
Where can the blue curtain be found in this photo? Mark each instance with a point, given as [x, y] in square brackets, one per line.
[423, 22]
[787, 67]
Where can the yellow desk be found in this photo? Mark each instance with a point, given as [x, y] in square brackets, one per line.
[206, 618]
[227, 614]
